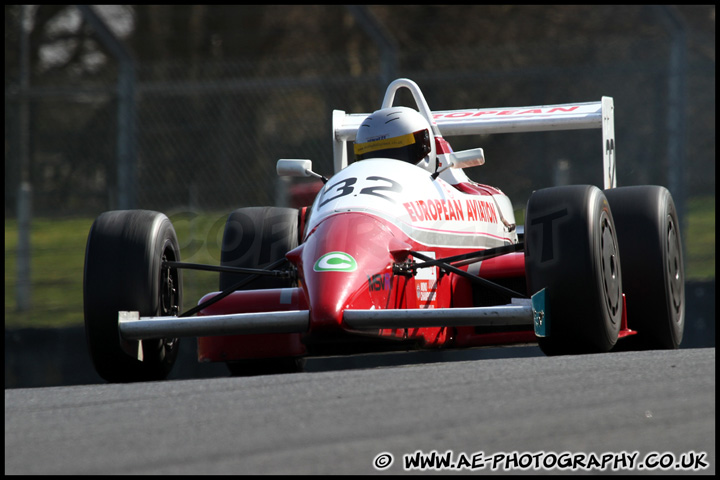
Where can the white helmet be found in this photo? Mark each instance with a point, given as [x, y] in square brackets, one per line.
[397, 132]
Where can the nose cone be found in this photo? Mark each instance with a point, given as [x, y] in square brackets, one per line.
[337, 259]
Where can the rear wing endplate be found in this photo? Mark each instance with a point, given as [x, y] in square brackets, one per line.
[572, 116]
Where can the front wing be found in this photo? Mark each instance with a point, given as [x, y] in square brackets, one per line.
[533, 312]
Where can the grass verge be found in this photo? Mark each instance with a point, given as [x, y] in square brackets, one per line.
[58, 255]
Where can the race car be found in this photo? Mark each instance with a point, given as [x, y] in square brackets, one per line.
[399, 250]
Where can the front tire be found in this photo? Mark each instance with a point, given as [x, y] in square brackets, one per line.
[654, 277]
[123, 271]
[571, 250]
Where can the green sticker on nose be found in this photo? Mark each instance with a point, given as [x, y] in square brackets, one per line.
[335, 262]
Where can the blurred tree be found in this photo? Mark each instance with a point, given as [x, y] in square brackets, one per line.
[477, 46]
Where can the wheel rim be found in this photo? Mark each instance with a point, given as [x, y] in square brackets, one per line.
[610, 268]
[169, 300]
[674, 268]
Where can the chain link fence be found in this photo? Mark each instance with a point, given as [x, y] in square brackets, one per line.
[207, 135]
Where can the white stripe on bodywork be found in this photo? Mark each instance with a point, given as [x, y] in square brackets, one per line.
[286, 296]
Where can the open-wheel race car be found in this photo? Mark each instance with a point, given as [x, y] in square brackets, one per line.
[399, 250]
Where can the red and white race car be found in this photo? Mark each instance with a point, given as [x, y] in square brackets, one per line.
[399, 250]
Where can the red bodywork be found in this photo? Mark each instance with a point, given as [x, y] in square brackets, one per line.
[375, 244]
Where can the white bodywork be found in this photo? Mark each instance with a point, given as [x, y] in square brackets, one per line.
[448, 123]
[430, 211]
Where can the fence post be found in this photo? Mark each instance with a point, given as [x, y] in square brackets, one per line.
[24, 213]
[677, 68]
[383, 40]
[24, 191]
[126, 138]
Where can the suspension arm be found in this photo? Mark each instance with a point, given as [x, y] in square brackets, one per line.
[475, 256]
[225, 268]
[254, 276]
[473, 278]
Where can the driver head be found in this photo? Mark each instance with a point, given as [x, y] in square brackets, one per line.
[400, 133]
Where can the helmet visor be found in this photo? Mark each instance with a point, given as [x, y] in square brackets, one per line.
[410, 148]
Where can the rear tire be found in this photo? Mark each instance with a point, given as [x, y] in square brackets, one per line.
[653, 271]
[255, 237]
[123, 271]
[571, 250]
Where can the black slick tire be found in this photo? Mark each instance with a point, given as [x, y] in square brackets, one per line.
[571, 250]
[123, 271]
[648, 232]
[255, 237]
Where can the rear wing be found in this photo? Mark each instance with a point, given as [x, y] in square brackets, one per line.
[446, 123]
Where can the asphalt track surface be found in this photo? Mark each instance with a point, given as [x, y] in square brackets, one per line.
[660, 404]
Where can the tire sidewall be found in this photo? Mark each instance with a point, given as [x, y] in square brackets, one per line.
[645, 215]
[123, 273]
[567, 261]
[255, 237]
[608, 272]
[677, 312]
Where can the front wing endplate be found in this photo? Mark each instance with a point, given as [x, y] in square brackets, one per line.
[541, 315]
